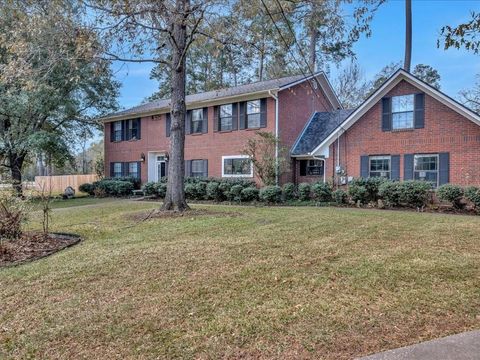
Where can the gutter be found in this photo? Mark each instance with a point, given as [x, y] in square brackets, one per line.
[275, 97]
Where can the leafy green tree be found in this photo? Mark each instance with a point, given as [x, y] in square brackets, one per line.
[466, 35]
[427, 74]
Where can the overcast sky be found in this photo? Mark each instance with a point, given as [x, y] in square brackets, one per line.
[456, 67]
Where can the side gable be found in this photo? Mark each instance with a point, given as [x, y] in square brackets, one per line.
[385, 89]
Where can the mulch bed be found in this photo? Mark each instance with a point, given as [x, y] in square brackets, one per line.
[33, 246]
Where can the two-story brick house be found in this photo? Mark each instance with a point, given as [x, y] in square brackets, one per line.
[405, 130]
[218, 124]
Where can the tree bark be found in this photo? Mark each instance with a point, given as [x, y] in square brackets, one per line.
[408, 35]
[16, 164]
[312, 46]
[175, 196]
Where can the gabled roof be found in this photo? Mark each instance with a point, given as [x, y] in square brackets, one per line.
[260, 88]
[320, 125]
[388, 85]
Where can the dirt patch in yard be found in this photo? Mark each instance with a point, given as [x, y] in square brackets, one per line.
[33, 246]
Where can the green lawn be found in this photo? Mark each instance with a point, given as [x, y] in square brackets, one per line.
[243, 282]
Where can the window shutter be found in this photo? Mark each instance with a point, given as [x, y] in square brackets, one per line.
[205, 168]
[124, 130]
[216, 118]
[419, 117]
[111, 169]
[139, 169]
[395, 167]
[243, 116]
[235, 116]
[139, 127]
[408, 160]
[364, 168]
[205, 120]
[168, 124]
[263, 113]
[444, 168]
[386, 114]
[111, 131]
[166, 168]
[188, 168]
[125, 169]
[188, 122]
[303, 167]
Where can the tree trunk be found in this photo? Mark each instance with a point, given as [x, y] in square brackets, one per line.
[312, 46]
[16, 164]
[175, 196]
[408, 35]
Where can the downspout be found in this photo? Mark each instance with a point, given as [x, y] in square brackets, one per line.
[275, 97]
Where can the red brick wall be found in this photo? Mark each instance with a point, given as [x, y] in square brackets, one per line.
[296, 106]
[445, 131]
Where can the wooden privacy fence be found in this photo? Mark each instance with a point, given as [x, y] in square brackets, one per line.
[57, 184]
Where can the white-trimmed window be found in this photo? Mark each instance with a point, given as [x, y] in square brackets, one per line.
[226, 117]
[237, 166]
[117, 131]
[197, 121]
[117, 170]
[402, 111]
[380, 166]
[426, 168]
[253, 114]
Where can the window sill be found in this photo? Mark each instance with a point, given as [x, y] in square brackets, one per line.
[253, 129]
[224, 131]
[402, 130]
[237, 176]
[197, 134]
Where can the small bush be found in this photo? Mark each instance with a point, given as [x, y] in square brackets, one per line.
[114, 187]
[288, 191]
[391, 193]
[322, 191]
[271, 194]
[366, 190]
[201, 190]
[136, 182]
[340, 196]
[358, 192]
[214, 192]
[415, 193]
[451, 193]
[87, 188]
[13, 213]
[149, 189]
[249, 194]
[236, 193]
[224, 189]
[472, 193]
[304, 191]
[191, 191]
[161, 189]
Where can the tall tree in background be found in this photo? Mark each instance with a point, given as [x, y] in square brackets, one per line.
[52, 84]
[351, 86]
[428, 74]
[408, 35]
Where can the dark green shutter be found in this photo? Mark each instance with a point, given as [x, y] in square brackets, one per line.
[205, 168]
[444, 168]
[111, 169]
[419, 116]
[112, 131]
[263, 113]
[408, 163]
[188, 122]
[243, 116]
[364, 166]
[125, 169]
[235, 116]
[168, 124]
[188, 168]
[205, 120]
[216, 118]
[386, 114]
[303, 167]
[139, 169]
[395, 167]
[124, 130]
[139, 128]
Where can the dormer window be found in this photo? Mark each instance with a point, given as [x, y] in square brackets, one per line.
[402, 112]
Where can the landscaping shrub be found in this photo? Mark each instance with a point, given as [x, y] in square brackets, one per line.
[155, 189]
[224, 189]
[249, 194]
[214, 192]
[288, 191]
[236, 193]
[191, 191]
[472, 193]
[136, 182]
[451, 193]
[322, 191]
[13, 212]
[87, 188]
[304, 191]
[358, 191]
[340, 196]
[201, 190]
[391, 193]
[365, 190]
[271, 194]
[415, 193]
[114, 187]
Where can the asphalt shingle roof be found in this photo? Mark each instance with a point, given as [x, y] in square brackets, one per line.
[212, 95]
[317, 129]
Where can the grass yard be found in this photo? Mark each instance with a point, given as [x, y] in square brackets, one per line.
[251, 283]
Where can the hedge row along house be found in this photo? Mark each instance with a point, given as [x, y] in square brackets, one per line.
[405, 130]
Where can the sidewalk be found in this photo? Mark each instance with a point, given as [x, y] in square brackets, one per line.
[464, 346]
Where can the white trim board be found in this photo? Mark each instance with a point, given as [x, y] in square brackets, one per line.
[396, 78]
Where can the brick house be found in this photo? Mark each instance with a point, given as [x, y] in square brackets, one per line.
[218, 124]
[405, 130]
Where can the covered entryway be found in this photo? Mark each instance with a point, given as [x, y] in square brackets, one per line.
[157, 166]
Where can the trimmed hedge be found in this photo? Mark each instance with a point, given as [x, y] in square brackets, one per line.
[340, 197]
[109, 187]
[271, 194]
[322, 192]
[411, 193]
[304, 191]
[451, 193]
[472, 193]
[364, 190]
[289, 192]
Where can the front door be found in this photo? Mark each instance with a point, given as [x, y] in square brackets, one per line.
[161, 170]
